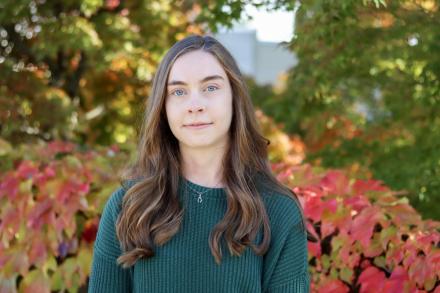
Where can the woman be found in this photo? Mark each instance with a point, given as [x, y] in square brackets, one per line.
[200, 210]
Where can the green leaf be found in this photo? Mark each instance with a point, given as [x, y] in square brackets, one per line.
[89, 7]
[50, 265]
[380, 261]
[346, 274]
[56, 281]
[34, 281]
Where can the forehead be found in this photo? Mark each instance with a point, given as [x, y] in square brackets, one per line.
[194, 66]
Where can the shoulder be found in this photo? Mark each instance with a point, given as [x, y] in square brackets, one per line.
[114, 201]
[284, 211]
[107, 243]
[113, 204]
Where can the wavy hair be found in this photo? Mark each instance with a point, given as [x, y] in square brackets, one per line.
[151, 213]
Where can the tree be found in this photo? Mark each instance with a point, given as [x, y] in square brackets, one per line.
[366, 91]
[80, 70]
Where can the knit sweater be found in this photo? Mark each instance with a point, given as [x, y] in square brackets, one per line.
[185, 263]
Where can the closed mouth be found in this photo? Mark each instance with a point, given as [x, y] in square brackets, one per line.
[198, 124]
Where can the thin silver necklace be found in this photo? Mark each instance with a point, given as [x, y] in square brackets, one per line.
[199, 193]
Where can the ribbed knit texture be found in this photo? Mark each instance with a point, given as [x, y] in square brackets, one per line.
[185, 263]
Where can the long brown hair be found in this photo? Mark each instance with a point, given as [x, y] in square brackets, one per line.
[151, 213]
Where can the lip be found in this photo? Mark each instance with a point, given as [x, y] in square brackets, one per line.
[198, 126]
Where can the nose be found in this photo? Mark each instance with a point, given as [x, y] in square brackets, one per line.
[196, 104]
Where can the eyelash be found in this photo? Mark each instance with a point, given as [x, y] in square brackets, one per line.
[173, 92]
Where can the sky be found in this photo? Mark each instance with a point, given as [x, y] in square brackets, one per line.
[275, 26]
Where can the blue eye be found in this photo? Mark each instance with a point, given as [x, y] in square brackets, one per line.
[177, 91]
[212, 87]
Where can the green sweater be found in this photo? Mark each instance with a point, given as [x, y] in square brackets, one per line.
[185, 263]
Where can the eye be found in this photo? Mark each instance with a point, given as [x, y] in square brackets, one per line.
[177, 92]
[212, 88]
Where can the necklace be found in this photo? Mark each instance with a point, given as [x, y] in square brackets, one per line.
[199, 193]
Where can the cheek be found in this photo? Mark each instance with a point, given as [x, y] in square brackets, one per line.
[226, 112]
[172, 115]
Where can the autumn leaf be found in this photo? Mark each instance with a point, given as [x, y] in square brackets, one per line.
[333, 286]
[371, 280]
[335, 182]
[363, 225]
[35, 282]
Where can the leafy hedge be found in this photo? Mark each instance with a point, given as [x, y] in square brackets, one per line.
[50, 202]
[51, 197]
[370, 240]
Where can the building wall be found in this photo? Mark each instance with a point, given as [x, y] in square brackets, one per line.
[264, 61]
[242, 46]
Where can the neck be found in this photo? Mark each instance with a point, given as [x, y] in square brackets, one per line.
[203, 167]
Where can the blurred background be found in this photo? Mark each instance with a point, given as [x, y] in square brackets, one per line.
[337, 85]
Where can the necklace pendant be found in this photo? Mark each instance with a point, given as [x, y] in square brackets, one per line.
[199, 199]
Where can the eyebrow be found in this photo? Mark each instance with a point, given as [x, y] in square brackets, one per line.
[210, 77]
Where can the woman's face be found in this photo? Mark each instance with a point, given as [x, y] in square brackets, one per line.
[198, 92]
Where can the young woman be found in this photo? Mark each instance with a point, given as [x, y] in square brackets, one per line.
[200, 210]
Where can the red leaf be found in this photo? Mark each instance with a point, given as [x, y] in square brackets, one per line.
[313, 206]
[60, 147]
[112, 4]
[357, 202]
[314, 249]
[397, 280]
[41, 178]
[90, 230]
[331, 205]
[333, 286]
[327, 228]
[35, 217]
[363, 225]
[38, 251]
[427, 241]
[365, 264]
[335, 182]
[394, 256]
[434, 259]
[371, 280]
[9, 186]
[420, 271]
[9, 224]
[364, 186]
[26, 170]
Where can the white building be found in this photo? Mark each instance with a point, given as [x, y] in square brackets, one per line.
[264, 61]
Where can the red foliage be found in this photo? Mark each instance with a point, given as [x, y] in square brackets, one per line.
[368, 238]
[49, 216]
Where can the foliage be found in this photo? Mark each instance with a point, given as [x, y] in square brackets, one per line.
[369, 240]
[366, 90]
[89, 63]
[50, 202]
[79, 71]
[51, 197]
[282, 147]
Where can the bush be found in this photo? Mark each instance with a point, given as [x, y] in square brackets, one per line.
[51, 197]
[370, 240]
[50, 202]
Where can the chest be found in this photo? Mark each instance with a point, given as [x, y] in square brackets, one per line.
[185, 263]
